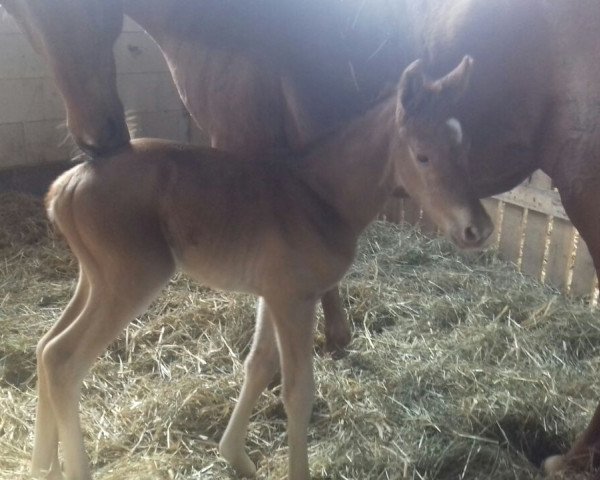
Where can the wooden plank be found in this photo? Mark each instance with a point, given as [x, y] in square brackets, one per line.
[18, 58]
[539, 200]
[511, 233]
[559, 254]
[22, 100]
[540, 180]
[534, 244]
[584, 272]
[12, 145]
[492, 207]
[45, 142]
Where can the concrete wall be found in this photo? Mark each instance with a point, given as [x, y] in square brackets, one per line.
[31, 109]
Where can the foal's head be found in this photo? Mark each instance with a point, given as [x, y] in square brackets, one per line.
[76, 38]
[433, 168]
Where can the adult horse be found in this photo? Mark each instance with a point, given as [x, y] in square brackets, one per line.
[534, 100]
[76, 40]
[290, 70]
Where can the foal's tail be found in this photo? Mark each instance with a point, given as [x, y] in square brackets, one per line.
[61, 209]
[59, 198]
[60, 206]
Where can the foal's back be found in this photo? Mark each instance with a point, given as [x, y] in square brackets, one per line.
[228, 223]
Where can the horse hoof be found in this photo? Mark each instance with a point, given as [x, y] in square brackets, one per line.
[239, 460]
[52, 474]
[554, 464]
[336, 347]
[336, 340]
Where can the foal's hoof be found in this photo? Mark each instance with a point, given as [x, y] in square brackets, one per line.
[52, 474]
[554, 465]
[241, 463]
[569, 467]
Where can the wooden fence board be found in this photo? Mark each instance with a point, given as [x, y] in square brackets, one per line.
[560, 253]
[584, 273]
[540, 180]
[523, 238]
[534, 246]
[493, 208]
[539, 200]
[511, 233]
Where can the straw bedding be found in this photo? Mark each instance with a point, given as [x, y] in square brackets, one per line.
[460, 368]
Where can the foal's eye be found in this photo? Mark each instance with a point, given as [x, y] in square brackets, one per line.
[422, 159]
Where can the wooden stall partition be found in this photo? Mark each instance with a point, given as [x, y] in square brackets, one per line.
[532, 231]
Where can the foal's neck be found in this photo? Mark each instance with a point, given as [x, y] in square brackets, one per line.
[353, 169]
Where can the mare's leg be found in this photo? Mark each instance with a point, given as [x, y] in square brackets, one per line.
[260, 367]
[119, 289]
[294, 323]
[582, 204]
[45, 450]
[337, 327]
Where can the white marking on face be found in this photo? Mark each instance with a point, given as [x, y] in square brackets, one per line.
[456, 129]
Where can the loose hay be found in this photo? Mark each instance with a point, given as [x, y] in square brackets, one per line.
[460, 368]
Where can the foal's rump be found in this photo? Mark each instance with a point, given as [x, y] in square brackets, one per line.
[161, 200]
[106, 222]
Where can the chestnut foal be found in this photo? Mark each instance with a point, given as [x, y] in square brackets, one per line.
[285, 230]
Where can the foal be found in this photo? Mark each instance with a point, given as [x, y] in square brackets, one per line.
[285, 230]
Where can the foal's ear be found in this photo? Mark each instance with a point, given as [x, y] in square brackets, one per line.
[454, 85]
[412, 92]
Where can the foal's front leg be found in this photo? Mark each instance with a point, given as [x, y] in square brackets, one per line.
[260, 367]
[294, 326]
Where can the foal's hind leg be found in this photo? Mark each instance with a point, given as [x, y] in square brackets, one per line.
[45, 450]
[337, 327]
[260, 367]
[116, 296]
[583, 208]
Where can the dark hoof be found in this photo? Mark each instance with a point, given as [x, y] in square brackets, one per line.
[336, 346]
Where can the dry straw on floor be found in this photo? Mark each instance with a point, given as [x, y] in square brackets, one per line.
[460, 368]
